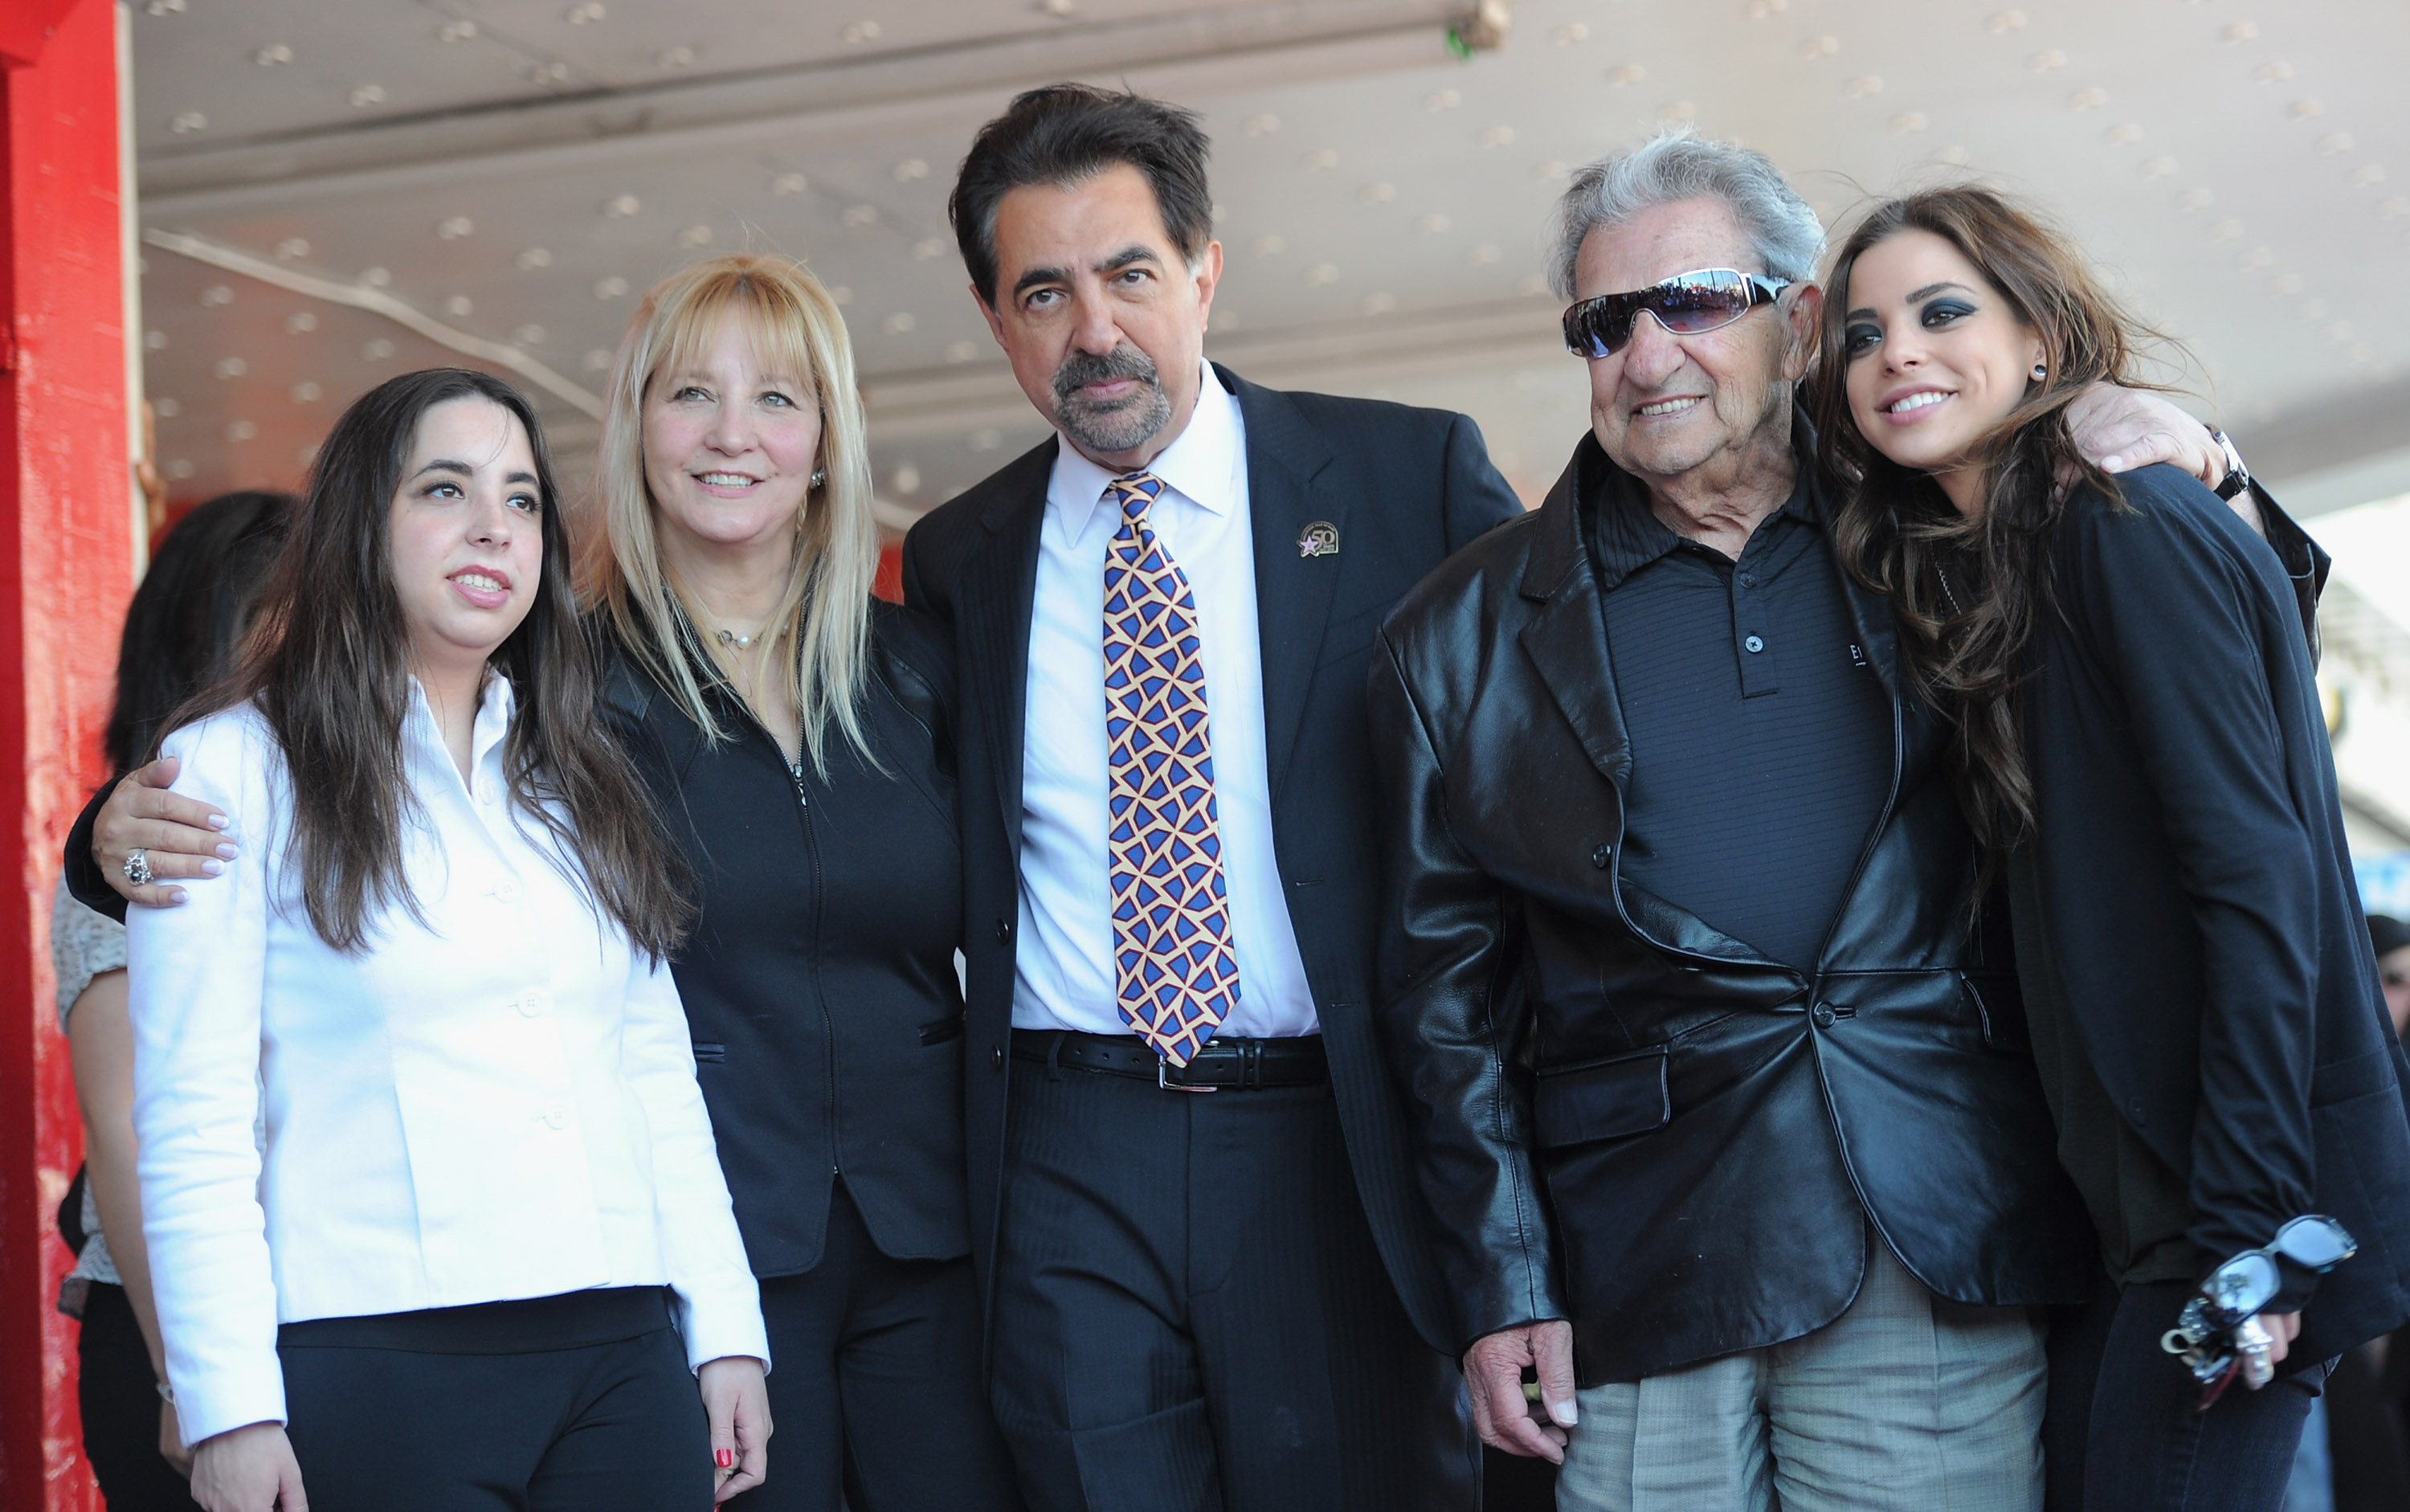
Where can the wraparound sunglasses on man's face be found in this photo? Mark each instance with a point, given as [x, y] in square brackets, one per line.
[1685, 304]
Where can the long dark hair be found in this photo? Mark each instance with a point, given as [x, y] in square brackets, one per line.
[187, 618]
[1968, 592]
[328, 666]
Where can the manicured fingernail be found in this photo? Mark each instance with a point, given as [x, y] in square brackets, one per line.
[217, 821]
[2112, 464]
[210, 869]
[1564, 1413]
[727, 1459]
[175, 894]
[226, 851]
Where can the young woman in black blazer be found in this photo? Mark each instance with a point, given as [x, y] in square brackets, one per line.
[2140, 749]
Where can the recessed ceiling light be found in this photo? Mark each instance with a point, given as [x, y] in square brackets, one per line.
[2313, 310]
[1530, 285]
[455, 227]
[368, 95]
[2195, 199]
[1820, 47]
[189, 122]
[308, 455]
[1913, 121]
[292, 247]
[610, 288]
[2004, 22]
[1679, 110]
[241, 430]
[857, 32]
[677, 57]
[985, 440]
[1269, 246]
[1626, 73]
[841, 293]
[2242, 31]
[165, 408]
[530, 334]
[375, 278]
[1378, 305]
[2048, 59]
[300, 323]
[2394, 208]
[167, 8]
[622, 205]
[306, 392]
[2257, 257]
[596, 359]
[154, 340]
[695, 235]
[961, 351]
[1482, 255]
[547, 74]
[269, 57]
[1319, 159]
[2088, 99]
[459, 304]
[2274, 72]
[1322, 273]
[586, 14]
[179, 469]
[2288, 284]
[216, 295]
[929, 247]
[1958, 157]
[912, 169]
[1864, 85]
[376, 351]
[2335, 141]
[1552, 171]
[1377, 194]
[1260, 125]
[790, 184]
[2159, 167]
[898, 324]
[532, 258]
[860, 215]
[456, 31]
[2226, 231]
[1570, 33]
[906, 479]
[1499, 135]
[2126, 135]
[2366, 174]
[2306, 109]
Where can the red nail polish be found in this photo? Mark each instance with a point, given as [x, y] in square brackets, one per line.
[727, 1459]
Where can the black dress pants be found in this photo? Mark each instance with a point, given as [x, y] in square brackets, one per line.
[581, 1403]
[876, 1404]
[1190, 1313]
[120, 1400]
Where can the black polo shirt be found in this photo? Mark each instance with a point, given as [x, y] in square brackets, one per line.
[1760, 736]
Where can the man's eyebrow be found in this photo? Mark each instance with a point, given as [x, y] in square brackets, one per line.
[1036, 276]
[1135, 252]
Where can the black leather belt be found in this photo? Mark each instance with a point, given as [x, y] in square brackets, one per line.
[1226, 1062]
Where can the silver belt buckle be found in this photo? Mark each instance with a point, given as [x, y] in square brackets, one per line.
[1162, 1069]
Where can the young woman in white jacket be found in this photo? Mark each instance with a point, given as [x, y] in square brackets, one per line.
[480, 1253]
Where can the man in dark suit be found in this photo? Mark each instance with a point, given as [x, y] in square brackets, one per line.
[1208, 1270]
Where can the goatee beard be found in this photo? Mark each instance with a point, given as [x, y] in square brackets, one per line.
[1118, 425]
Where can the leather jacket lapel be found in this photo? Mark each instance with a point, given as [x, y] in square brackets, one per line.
[1566, 637]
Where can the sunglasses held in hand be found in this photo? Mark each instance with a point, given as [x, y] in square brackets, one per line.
[2218, 1335]
[1685, 304]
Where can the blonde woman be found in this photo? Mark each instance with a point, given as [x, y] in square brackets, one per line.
[795, 736]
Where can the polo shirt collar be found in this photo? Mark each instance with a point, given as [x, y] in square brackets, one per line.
[1201, 464]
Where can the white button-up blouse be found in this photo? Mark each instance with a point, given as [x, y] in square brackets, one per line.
[494, 1101]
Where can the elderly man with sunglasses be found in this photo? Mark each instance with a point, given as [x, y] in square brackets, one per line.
[1719, 1084]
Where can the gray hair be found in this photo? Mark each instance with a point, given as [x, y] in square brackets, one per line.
[1674, 166]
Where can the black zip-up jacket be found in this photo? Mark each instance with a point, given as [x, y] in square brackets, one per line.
[818, 980]
[1625, 1117]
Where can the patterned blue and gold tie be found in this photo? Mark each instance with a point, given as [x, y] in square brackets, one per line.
[1173, 965]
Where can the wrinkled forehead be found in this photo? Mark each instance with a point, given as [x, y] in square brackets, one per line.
[1651, 245]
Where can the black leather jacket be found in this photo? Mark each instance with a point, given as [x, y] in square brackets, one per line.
[1625, 1117]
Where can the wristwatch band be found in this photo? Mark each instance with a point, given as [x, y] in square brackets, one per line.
[2237, 477]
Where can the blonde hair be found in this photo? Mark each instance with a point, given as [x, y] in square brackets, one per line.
[820, 631]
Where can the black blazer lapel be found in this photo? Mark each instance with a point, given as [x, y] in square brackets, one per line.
[1286, 459]
[999, 594]
[1566, 637]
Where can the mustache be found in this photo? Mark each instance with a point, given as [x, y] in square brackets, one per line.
[1084, 368]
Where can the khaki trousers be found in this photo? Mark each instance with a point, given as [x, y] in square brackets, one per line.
[1906, 1403]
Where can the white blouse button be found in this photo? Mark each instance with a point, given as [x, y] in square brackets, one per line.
[534, 1003]
[557, 1116]
[507, 890]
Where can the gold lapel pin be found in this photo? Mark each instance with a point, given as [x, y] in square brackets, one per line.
[1319, 539]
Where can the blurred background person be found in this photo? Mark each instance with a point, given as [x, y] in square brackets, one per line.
[181, 634]
[2390, 938]
[488, 1239]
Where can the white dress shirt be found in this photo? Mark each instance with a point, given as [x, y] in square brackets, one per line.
[1064, 968]
[498, 1102]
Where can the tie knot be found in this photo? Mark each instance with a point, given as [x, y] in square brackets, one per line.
[1134, 492]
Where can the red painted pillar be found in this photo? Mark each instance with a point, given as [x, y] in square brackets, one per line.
[66, 557]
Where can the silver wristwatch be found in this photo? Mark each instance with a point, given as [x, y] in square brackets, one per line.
[2237, 477]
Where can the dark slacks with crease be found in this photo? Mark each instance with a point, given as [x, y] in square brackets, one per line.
[875, 1397]
[559, 1405]
[1190, 1313]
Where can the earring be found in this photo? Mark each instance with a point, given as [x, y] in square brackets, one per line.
[820, 478]
[2041, 370]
